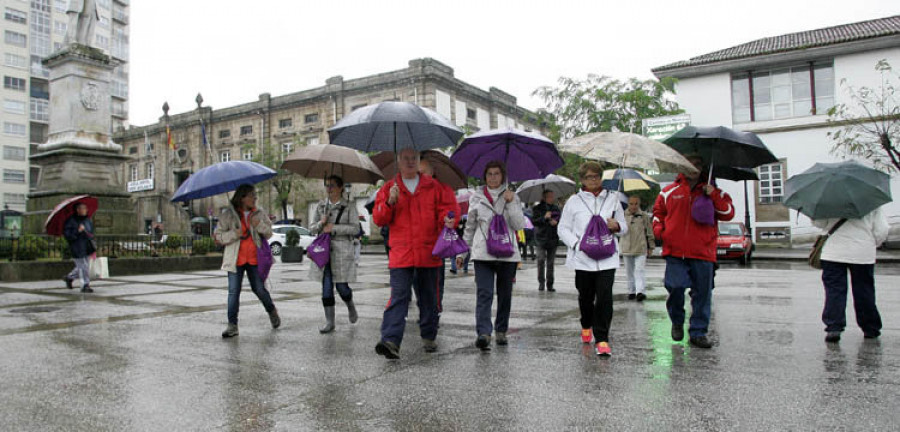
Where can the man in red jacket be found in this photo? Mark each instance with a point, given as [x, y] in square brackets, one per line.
[415, 208]
[689, 248]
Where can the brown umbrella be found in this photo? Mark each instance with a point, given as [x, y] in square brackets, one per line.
[320, 161]
[445, 171]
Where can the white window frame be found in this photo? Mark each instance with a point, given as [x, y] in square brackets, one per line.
[771, 183]
[13, 106]
[60, 27]
[287, 147]
[149, 170]
[225, 156]
[15, 39]
[247, 155]
[11, 176]
[775, 94]
[312, 141]
[15, 129]
[15, 15]
[14, 199]
[134, 172]
[14, 153]
[40, 109]
[11, 83]
[15, 61]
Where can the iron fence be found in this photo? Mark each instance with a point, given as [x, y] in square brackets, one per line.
[32, 247]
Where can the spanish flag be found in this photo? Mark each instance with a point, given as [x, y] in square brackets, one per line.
[169, 138]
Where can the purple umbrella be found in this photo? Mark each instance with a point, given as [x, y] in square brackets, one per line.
[527, 155]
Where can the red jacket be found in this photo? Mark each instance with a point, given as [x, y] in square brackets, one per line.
[415, 220]
[682, 237]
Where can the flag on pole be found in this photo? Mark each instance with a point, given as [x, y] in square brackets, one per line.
[203, 134]
[169, 138]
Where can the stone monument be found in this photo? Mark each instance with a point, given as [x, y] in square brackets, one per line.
[79, 156]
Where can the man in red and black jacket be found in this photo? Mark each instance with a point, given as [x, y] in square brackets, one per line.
[689, 248]
[415, 208]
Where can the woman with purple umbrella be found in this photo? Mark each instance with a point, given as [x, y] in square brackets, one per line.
[492, 267]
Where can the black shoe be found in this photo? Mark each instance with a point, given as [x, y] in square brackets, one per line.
[483, 342]
[641, 297]
[631, 296]
[501, 339]
[87, 289]
[387, 349]
[871, 335]
[540, 287]
[677, 332]
[550, 288]
[429, 345]
[833, 336]
[701, 342]
[68, 282]
[453, 271]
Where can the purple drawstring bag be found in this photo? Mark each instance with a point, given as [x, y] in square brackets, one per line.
[263, 259]
[597, 242]
[319, 251]
[499, 243]
[702, 210]
[449, 244]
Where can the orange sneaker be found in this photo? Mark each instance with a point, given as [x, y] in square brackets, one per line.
[586, 336]
[603, 349]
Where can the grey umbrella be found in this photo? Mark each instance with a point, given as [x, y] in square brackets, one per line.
[837, 190]
[394, 126]
[533, 190]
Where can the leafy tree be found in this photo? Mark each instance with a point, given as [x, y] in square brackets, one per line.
[285, 184]
[604, 104]
[871, 123]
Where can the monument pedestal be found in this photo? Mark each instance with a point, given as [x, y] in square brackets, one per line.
[79, 156]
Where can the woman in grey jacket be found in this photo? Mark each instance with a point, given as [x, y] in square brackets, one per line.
[337, 216]
[242, 228]
[490, 270]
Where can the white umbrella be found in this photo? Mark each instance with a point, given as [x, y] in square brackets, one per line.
[533, 190]
[628, 150]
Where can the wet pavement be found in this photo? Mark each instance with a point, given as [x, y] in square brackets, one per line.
[143, 353]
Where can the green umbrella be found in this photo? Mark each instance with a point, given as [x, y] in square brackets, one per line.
[837, 190]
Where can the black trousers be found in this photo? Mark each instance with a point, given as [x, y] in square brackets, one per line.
[595, 301]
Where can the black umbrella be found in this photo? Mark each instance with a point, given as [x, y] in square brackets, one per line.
[394, 126]
[735, 174]
[722, 146]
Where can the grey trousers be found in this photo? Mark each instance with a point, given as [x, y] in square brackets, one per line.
[546, 257]
[82, 266]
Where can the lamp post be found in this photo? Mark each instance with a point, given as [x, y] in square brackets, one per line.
[747, 211]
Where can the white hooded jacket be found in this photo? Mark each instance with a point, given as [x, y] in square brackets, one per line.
[579, 210]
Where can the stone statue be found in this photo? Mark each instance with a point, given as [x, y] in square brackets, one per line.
[83, 15]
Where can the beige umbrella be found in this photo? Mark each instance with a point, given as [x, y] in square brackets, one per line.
[628, 150]
[445, 171]
[320, 161]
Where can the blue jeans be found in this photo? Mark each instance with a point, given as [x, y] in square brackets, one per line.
[453, 267]
[235, 279]
[489, 274]
[683, 273]
[328, 286]
[834, 277]
[426, 286]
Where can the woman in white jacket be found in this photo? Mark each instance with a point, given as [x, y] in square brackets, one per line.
[490, 270]
[851, 247]
[242, 228]
[593, 278]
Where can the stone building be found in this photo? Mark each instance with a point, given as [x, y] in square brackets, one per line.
[277, 125]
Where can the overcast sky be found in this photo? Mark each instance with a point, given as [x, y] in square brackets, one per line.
[231, 51]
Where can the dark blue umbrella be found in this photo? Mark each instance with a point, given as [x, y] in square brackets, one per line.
[527, 155]
[221, 177]
[394, 126]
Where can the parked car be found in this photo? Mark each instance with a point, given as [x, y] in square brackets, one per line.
[734, 242]
[279, 233]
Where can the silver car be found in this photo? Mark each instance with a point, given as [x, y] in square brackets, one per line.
[279, 235]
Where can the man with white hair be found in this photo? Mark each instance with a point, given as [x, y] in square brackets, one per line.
[415, 208]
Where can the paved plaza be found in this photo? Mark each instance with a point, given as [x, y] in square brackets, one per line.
[144, 353]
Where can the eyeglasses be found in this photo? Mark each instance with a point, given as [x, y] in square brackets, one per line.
[590, 177]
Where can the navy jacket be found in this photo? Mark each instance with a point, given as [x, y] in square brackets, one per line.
[79, 242]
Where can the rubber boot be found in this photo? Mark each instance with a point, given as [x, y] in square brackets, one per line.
[329, 320]
[351, 310]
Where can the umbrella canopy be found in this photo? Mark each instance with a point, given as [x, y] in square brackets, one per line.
[527, 155]
[735, 174]
[220, 178]
[628, 150]
[444, 170]
[533, 190]
[199, 220]
[320, 161]
[627, 180]
[56, 221]
[394, 126]
[837, 190]
[722, 146]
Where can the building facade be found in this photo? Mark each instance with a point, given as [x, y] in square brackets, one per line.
[272, 127]
[33, 30]
[781, 88]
